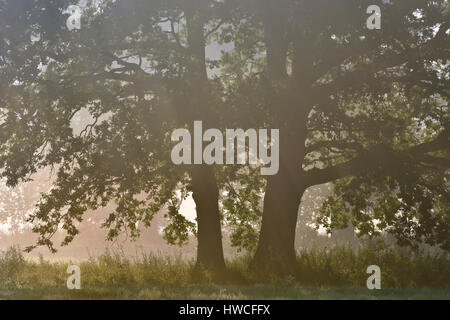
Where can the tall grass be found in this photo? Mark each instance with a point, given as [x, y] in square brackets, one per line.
[338, 266]
[400, 268]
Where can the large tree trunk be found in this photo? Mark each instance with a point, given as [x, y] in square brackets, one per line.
[204, 185]
[276, 247]
[206, 195]
[276, 250]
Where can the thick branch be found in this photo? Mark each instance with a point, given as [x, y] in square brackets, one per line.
[375, 157]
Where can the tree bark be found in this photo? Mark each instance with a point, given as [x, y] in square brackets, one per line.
[206, 195]
[203, 181]
[276, 246]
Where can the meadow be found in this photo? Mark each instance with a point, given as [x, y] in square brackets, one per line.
[336, 273]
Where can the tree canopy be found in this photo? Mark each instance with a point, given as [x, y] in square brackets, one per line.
[365, 109]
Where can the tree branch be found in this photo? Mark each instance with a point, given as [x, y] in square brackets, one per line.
[334, 144]
[375, 157]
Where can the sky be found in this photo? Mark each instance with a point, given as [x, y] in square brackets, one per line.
[187, 208]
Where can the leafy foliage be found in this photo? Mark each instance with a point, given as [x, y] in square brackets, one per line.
[368, 109]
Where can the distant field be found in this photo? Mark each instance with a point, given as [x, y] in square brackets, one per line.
[338, 273]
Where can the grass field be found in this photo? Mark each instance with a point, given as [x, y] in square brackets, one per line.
[207, 292]
[339, 273]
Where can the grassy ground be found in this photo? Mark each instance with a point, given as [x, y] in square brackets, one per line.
[207, 292]
[339, 273]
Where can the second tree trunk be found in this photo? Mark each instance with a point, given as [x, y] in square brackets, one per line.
[206, 195]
